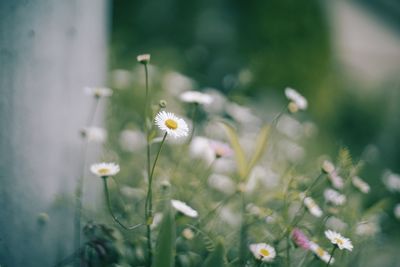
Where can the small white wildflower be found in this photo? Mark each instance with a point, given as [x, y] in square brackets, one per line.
[360, 184]
[392, 181]
[94, 134]
[263, 252]
[328, 166]
[367, 228]
[334, 197]
[221, 149]
[144, 58]
[98, 91]
[174, 126]
[184, 208]
[104, 169]
[336, 180]
[298, 102]
[188, 233]
[312, 207]
[196, 97]
[396, 211]
[321, 253]
[338, 240]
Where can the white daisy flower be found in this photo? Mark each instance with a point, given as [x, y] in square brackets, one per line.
[263, 252]
[184, 208]
[338, 240]
[94, 134]
[320, 252]
[174, 126]
[328, 166]
[98, 91]
[145, 58]
[221, 149]
[360, 184]
[196, 97]
[104, 169]
[312, 207]
[298, 102]
[334, 197]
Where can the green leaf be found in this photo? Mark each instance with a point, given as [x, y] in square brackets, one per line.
[260, 146]
[165, 248]
[237, 148]
[216, 258]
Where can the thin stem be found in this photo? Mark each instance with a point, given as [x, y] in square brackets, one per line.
[297, 217]
[107, 194]
[331, 257]
[80, 183]
[149, 202]
[243, 234]
[303, 259]
[288, 250]
[194, 113]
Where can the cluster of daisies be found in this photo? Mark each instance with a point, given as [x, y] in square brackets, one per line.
[265, 252]
[175, 127]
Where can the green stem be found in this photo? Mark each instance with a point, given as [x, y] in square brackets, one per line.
[297, 217]
[194, 113]
[331, 257]
[149, 203]
[243, 234]
[107, 194]
[80, 183]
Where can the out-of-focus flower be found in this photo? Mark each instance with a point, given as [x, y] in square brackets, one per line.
[188, 233]
[312, 207]
[174, 126]
[183, 208]
[298, 102]
[334, 197]
[94, 134]
[176, 83]
[121, 79]
[335, 224]
[200, 148]
[131, 140]
[263, 252]
[104, 169]
[367, 228]
[98, 91]
[392, 181]
[338, 240]
[328, 167]
[222, 183]
[221, 149]
[242, 114]
[321, 253]
[196, 97]
[360, 184]
[300, 239]
[144, 58]
[396, 211]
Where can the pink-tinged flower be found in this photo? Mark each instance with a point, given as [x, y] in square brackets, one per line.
[300, 239]
[221, 149]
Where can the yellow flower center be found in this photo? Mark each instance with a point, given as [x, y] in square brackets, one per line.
[320, 252]
[264, 252]
[103, 171]
[339, 241]
[171, 124]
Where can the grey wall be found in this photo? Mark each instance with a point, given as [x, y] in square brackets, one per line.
[49, 50]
